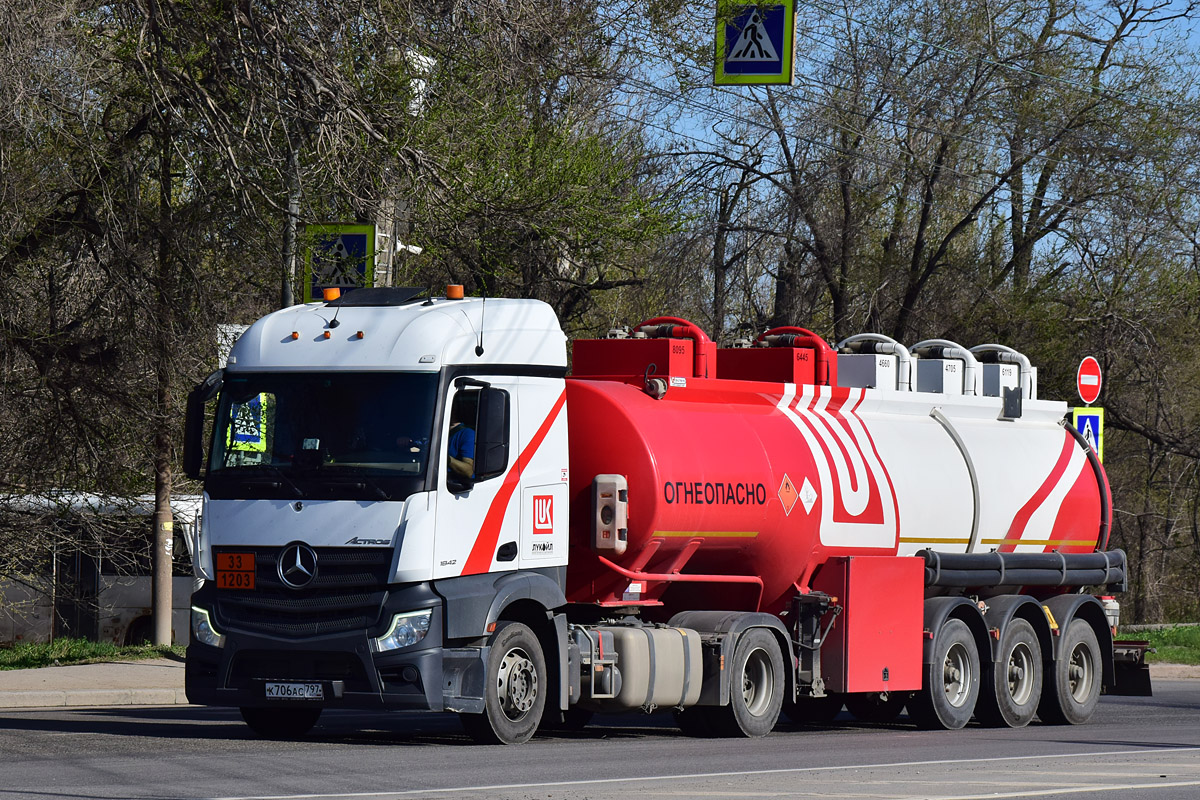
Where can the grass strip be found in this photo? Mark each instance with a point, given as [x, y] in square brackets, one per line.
[60, 652]
[1177, 645]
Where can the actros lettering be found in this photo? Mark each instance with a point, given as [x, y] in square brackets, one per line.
[705, 493]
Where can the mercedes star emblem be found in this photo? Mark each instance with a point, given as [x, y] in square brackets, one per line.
[297, 565]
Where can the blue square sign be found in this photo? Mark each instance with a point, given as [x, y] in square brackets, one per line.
[1090, 424]
[754, 43]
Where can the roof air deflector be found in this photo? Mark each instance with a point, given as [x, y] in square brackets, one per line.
[379, 296]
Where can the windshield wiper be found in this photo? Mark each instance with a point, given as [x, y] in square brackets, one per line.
[283, 482]
[359, 482]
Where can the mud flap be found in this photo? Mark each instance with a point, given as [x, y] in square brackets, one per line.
[1131, 670]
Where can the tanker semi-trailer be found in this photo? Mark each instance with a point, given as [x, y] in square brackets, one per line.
[409, 504]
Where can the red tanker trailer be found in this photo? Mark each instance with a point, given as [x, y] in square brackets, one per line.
[726, 533]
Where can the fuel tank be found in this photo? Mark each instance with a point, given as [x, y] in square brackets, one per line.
[738, 490]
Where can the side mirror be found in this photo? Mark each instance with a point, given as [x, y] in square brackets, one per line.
[193, 434]
[491, 434]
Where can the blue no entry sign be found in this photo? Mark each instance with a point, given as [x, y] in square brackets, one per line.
[754, 43]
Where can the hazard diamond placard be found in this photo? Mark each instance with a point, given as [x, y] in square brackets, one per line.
[754, 43]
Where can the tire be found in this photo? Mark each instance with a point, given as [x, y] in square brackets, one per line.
[950, 685]
[515, 685]
[814, 710]
[1072, 685]
[281, 723]
[1012, 685]
[140, 632]
[756, 688]
[874, 707]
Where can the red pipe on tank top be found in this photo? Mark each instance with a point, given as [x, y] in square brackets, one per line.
[826, 358]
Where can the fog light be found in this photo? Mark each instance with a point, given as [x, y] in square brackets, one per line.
[406, 629]
[203, 630]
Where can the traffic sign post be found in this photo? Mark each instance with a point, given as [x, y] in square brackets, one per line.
[1088, 380]
[754, 43]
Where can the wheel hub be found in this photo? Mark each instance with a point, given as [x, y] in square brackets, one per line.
[518, 685]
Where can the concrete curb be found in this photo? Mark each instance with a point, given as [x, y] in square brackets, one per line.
[92, 698]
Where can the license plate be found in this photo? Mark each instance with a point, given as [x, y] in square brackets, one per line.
[235, 570]
[296, 691]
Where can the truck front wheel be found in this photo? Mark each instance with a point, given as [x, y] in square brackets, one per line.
[281, 723]
[950, 685]
[1070, 694]
[514, 688]
[756, 694]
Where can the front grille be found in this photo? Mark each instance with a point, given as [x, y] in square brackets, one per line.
[347, 594]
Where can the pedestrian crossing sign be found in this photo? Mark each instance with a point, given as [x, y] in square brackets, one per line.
[1090, 424]
[754, 42]
[338, 256]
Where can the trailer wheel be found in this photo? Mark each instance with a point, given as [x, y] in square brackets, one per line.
[1071, 697]
[1013, 688]
[756, 689]
[950, 685]
[514, 689]
[874, 707]
[814, 710]
[281, 723]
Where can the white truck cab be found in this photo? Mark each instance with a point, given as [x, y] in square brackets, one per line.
[336, 536]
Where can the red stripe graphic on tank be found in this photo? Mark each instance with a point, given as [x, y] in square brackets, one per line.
[1079, 511]
[1017, 528]
[484, 549]
[834, 414]
[831, 410]
[887, 475]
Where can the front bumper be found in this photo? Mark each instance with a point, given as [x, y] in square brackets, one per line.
[423, 676]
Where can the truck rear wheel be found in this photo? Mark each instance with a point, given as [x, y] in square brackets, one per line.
[1069, 696]
[756, 692]
[514, 688]
[1013, 687]
[281, 723]
[950, 685]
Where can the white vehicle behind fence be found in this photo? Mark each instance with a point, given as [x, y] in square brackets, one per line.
[94, 580]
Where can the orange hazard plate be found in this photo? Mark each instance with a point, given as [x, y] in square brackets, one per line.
[235, 570]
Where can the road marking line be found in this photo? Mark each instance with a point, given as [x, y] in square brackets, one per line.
[1070, 790]
[747, 773]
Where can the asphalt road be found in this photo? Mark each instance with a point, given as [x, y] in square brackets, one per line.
[1134, 748]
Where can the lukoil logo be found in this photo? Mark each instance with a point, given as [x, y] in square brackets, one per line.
[543, 514]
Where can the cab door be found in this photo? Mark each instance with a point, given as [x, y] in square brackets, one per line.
[478, 515]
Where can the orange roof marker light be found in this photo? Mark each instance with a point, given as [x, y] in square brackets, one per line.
[328, 334]
[360, 334]
[295, 334]
[331, 294]
[454, 291]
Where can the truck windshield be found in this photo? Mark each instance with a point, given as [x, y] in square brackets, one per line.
[351, 436]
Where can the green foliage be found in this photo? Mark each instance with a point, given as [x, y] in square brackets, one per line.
[1177, 645]
[61, 652]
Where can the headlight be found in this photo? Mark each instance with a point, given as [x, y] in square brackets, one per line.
[406, 629]
[203, 630]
